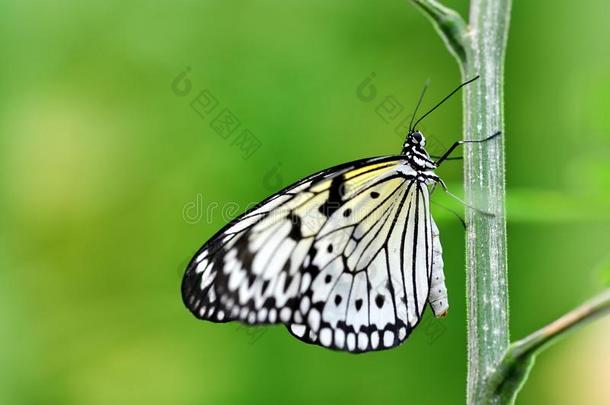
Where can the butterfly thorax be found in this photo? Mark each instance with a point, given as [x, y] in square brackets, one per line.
[417, 157]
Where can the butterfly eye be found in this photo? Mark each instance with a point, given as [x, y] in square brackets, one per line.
[416, 136]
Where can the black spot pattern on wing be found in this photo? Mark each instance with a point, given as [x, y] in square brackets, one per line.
[205, 285]
[261, 270]
[295, 231]
[335, 197]
[379, 299]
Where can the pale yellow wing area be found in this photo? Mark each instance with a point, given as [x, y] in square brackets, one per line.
[319, 256]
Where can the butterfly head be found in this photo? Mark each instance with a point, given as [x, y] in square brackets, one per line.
[415, 142]
[416, 138]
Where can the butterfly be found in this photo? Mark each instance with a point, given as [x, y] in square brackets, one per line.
[347, 258]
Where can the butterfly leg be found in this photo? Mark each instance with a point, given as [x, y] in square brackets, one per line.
[445, 156]
[464, 203]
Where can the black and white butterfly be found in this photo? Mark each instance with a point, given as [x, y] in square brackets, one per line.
[346, 258]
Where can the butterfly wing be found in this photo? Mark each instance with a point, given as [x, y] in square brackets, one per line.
[372, 293]
[343, 257]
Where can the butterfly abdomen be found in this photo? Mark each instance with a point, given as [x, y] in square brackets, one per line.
[438, 291]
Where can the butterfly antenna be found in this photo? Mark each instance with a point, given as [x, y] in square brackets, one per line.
[421, 97]
[445, 99]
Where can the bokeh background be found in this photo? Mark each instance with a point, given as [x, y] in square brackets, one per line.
[110, 181]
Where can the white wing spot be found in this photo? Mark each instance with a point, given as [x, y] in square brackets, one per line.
[285, 314]
[351, 341]
[305, 281]
[326, 336]
[201, 256]
[363, 340]
[339, 338]
[304, 305]
[388, 338]
[201, 266]
[375, 339]
[298, 330]
[314, 319]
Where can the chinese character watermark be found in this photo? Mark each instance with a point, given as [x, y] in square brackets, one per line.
[223, 120]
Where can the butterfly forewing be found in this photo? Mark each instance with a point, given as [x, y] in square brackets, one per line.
[344, 258]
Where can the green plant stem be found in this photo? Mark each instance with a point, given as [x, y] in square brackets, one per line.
[496, 369]
[518, 360]
[479, 48]
[484, 183]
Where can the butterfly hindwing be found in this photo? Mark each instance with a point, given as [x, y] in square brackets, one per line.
[372, 294]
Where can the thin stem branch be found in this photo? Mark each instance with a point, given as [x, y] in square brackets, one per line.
[519, 359]
[586, 312]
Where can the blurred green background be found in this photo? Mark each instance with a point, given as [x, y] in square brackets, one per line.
[109, 181]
